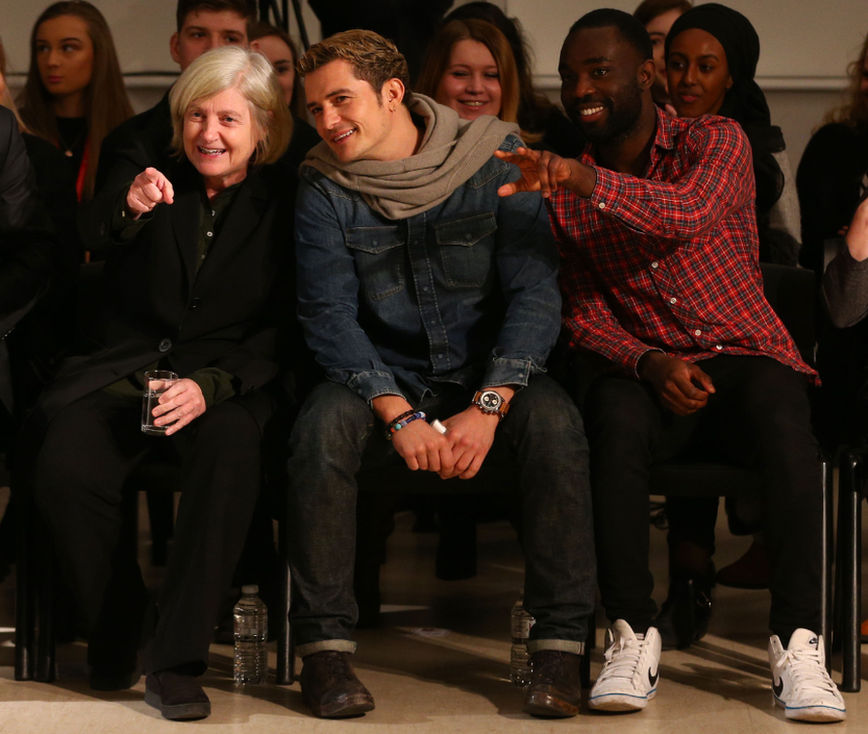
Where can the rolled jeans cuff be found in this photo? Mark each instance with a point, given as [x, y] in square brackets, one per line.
[337, 645]
[576, 648]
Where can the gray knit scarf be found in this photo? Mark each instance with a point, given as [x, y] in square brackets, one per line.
[452, 150]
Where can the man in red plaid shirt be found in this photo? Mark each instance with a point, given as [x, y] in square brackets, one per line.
[660, 275]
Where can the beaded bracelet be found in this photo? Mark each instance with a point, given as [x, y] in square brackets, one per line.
[402, 420]
[398, 419]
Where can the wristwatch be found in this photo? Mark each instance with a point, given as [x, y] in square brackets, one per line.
[489, 401]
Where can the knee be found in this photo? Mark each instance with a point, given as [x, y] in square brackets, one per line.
[620, 412]
[228, 422]
[333, 416]
[544, 406]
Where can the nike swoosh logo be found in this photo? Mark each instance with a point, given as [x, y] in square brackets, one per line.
[778, 687]
[653, 678]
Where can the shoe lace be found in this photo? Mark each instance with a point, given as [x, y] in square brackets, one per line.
[807, 671]
[622, 658]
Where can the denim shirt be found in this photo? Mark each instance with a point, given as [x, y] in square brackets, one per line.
[463, 293]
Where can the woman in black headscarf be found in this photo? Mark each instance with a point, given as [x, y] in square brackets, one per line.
[711, 58]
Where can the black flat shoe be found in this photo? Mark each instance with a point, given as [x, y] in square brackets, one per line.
[178, 697]
[685, 614]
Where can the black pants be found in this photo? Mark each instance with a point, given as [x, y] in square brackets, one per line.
[758, 418]
[89, 449]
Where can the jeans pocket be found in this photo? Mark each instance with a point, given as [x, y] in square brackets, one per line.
[467, 249]
[379, 256]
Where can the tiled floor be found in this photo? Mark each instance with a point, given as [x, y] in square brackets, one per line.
[438, 663]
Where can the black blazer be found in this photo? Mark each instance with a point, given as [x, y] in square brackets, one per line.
[143, 140]
[156, 306]
[28, 252]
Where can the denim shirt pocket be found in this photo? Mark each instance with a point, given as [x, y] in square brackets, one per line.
[467, 249]
[379, 256]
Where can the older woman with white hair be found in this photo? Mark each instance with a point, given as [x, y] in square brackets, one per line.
[194, 282]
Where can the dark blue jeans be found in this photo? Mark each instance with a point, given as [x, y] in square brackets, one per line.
[337, 434]
[759, 417]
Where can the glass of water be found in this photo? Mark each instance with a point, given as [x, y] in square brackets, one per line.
[156, 383]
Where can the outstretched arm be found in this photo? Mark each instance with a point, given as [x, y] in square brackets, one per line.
[545, 172]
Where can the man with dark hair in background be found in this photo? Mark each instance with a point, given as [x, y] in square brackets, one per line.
[661, 279]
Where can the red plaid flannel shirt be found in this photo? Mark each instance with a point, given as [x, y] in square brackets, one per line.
[670, 261]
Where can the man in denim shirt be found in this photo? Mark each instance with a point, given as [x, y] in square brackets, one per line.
[425, 295]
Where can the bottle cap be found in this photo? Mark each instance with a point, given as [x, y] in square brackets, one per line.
[250, 589]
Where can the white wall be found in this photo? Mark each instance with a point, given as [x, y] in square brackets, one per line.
[806, 46]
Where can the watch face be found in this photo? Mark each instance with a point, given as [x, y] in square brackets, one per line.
[490, 400]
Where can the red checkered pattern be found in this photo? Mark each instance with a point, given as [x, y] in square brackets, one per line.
[669, 261]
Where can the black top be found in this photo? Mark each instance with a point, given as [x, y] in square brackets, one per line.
[72, 140]
[829, 182]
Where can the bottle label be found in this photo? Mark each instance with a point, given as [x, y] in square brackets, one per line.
[521, 626]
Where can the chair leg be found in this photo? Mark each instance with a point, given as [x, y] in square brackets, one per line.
[46, 647]
[850, 532]
[285, 646]
[827, 552]
[25, 593]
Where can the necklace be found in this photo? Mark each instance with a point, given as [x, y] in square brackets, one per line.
[68, 148]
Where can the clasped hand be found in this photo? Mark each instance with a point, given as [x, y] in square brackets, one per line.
[179, 405]
[682, 386]
[457, 453]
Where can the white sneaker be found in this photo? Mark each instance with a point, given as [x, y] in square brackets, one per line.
[629, 676]
[800, 682]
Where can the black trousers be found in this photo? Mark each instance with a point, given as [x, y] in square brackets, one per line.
[758, 418]
[89, 449]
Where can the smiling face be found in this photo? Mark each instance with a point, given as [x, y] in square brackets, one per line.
[220, 137]
[356, 122]
[603, 81]
[471, 82]
[698, 73]
[206, 29]
[658, 29]
[64, 56]
[280, 55]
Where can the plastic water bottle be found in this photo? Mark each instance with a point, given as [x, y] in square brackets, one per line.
[519, 660]
[251, 634]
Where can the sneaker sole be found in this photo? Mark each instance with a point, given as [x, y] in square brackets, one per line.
[179, 711]
[816, 714]
[620, 702]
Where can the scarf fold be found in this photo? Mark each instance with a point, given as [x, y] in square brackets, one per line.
[451, 151]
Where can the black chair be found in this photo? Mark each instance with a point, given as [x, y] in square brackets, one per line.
[791, 293]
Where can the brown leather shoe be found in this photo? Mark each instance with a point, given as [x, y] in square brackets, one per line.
[556, 684]
[330, 687]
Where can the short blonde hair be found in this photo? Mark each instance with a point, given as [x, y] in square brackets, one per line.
[249, 72]
[374, 59]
